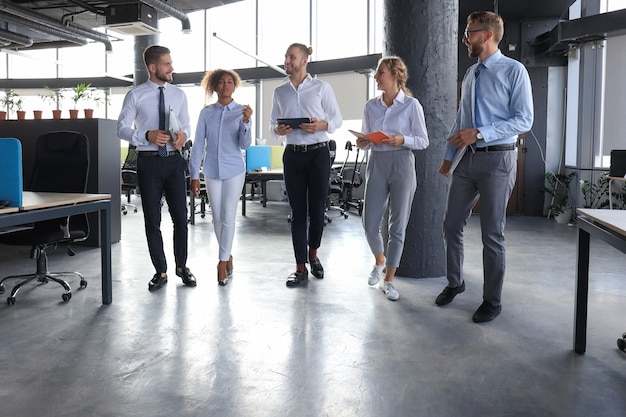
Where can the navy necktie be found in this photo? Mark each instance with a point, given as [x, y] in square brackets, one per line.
[479, 68]
[162, 149]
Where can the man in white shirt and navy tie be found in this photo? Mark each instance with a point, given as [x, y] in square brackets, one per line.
[160, 166]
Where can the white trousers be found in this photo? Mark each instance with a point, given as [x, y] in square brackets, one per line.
[224, 197]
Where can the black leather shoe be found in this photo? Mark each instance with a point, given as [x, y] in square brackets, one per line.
[188, 278]
[316, 268]
[298, 278]
[157, 282]
[486, 312]
[448, 294]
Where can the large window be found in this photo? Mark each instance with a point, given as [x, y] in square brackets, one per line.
[281, 23]
[243, 30]
[344, 31]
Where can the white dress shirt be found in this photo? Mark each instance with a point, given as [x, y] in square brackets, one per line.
[405, 116]
[140, 113]
[312, 98]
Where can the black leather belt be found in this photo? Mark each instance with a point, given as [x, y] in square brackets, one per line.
[306, 148]
[156, 153]
[497, 148]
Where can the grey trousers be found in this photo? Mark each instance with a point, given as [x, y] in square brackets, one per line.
[490, 176]
[390, 179]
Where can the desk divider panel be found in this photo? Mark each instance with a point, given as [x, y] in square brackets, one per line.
[276, 157]
[258, 157]
[11, 180]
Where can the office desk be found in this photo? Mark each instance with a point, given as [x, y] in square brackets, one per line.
[261, 177]
[610, 226]
[44, 206]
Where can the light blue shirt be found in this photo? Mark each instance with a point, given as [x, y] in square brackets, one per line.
[312, 98]
[405, 116]
[504, 98]
[221, 134]
[140, 113]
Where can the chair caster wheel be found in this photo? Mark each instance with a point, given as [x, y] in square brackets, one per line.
[2, 289]
[83, 284]
[11, 301]
[135, 210]
[203, 216]
[66, 296]
[621, 344]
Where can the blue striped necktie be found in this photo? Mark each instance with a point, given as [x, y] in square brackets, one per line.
[162, 149]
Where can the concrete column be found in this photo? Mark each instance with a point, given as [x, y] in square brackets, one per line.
[424, 33]
[140, 74]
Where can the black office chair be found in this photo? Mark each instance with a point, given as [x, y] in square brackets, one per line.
[61, 164]
[129, 178]
[335, 200]
[202, 200]
[352, 179]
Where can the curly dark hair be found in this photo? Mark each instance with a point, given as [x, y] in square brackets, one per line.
[211, 78]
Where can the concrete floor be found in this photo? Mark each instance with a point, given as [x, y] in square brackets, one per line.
[335, 348]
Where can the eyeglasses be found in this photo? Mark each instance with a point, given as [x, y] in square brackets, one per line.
[468, 33]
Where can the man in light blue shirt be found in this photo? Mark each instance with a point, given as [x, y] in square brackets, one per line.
[496, 106]
[143, 121]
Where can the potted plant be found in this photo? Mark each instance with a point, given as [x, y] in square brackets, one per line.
[21, 114]
[53, 97]
[80, 92]
[96, 97]
[558, 188]
[11, 101]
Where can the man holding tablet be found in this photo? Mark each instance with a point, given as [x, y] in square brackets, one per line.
[306, 160]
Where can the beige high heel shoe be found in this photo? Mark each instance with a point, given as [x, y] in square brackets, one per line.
[229, 267]
[222, 275]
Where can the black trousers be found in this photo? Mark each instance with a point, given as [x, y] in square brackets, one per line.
[158, 176]
[306, 182]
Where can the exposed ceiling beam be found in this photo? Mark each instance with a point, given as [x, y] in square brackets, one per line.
[42, 20]
[41, 28]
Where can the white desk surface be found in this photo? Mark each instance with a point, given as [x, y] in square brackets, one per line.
[612, 219]
[9, 210]
[35, 200]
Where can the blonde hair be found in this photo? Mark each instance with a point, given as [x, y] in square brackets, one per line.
[211, 78]
[489, 21]
[398, 69]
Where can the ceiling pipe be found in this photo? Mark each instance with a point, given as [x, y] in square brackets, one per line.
[170, 11]
[38, 27]
[92, 34]
[22, 40]
[70, 29]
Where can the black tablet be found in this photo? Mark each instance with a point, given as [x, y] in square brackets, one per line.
[294, 122]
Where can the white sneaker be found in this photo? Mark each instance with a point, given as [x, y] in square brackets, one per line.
[390, 291]
[376, 274]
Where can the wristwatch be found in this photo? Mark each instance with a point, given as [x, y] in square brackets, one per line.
[479, 136]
